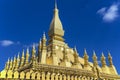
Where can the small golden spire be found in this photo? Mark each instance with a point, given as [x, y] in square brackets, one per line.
[95, 63]
[33, 47]
[40, 42]
[17, 61]
[11, 64]
[14, 58]
[103, 55]
[110, 59]
[27, 56]
[109, 55]
[76, 56]
[76, 53]
[23, 53]
[40, 46]
[94, 56]
[39, 51]
[18, 57]
[75, 49]
[6, 67]
[86, 57]
[27, 51]
[7, 64]
[14, 62]
[8, 60]
[44, 36]
[103, 60]
[33, 51]
[33, 55]
[44, 42]
[22, 59]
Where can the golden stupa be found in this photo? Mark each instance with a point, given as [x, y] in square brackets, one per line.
[57, 61]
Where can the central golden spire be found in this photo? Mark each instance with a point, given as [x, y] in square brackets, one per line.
[56, 27]
[56, 31]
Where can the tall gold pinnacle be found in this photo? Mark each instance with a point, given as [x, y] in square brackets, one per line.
[44, 36]
[27, 56]
[110, 59]
[95, 63]
[103, 60]
[86, 57]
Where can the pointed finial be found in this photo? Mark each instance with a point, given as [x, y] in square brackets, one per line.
[109, 55]
[94, 54]
[23, 53]
[85, 55]
[55, 4]
[11, 60]
[27, 56]
[33, 47]
[110, 59]
[95, 63]
[14, 57]
[103, 57]
[85, 52]
[44, 36]
[103, 54]
[103, 61]
[27, 53]
[18, 55]
[11, 63]
[40, 41]
[33, 50]
[40, 45]
[8, 59]
[75, 49]
[27, 50]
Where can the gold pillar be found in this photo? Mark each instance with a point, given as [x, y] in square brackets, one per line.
[56, 76]
[61, 77]
[79, 78]
[43, 75]
[64, 78]
[48, 76]
[52, 76]
[75, 77]
[38, 76]
[68, 77]
[27, 57]
[72, 77]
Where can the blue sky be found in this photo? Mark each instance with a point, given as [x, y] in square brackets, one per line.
[94, 25]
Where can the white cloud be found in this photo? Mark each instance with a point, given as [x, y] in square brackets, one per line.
[111, 13]
[6, 43]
